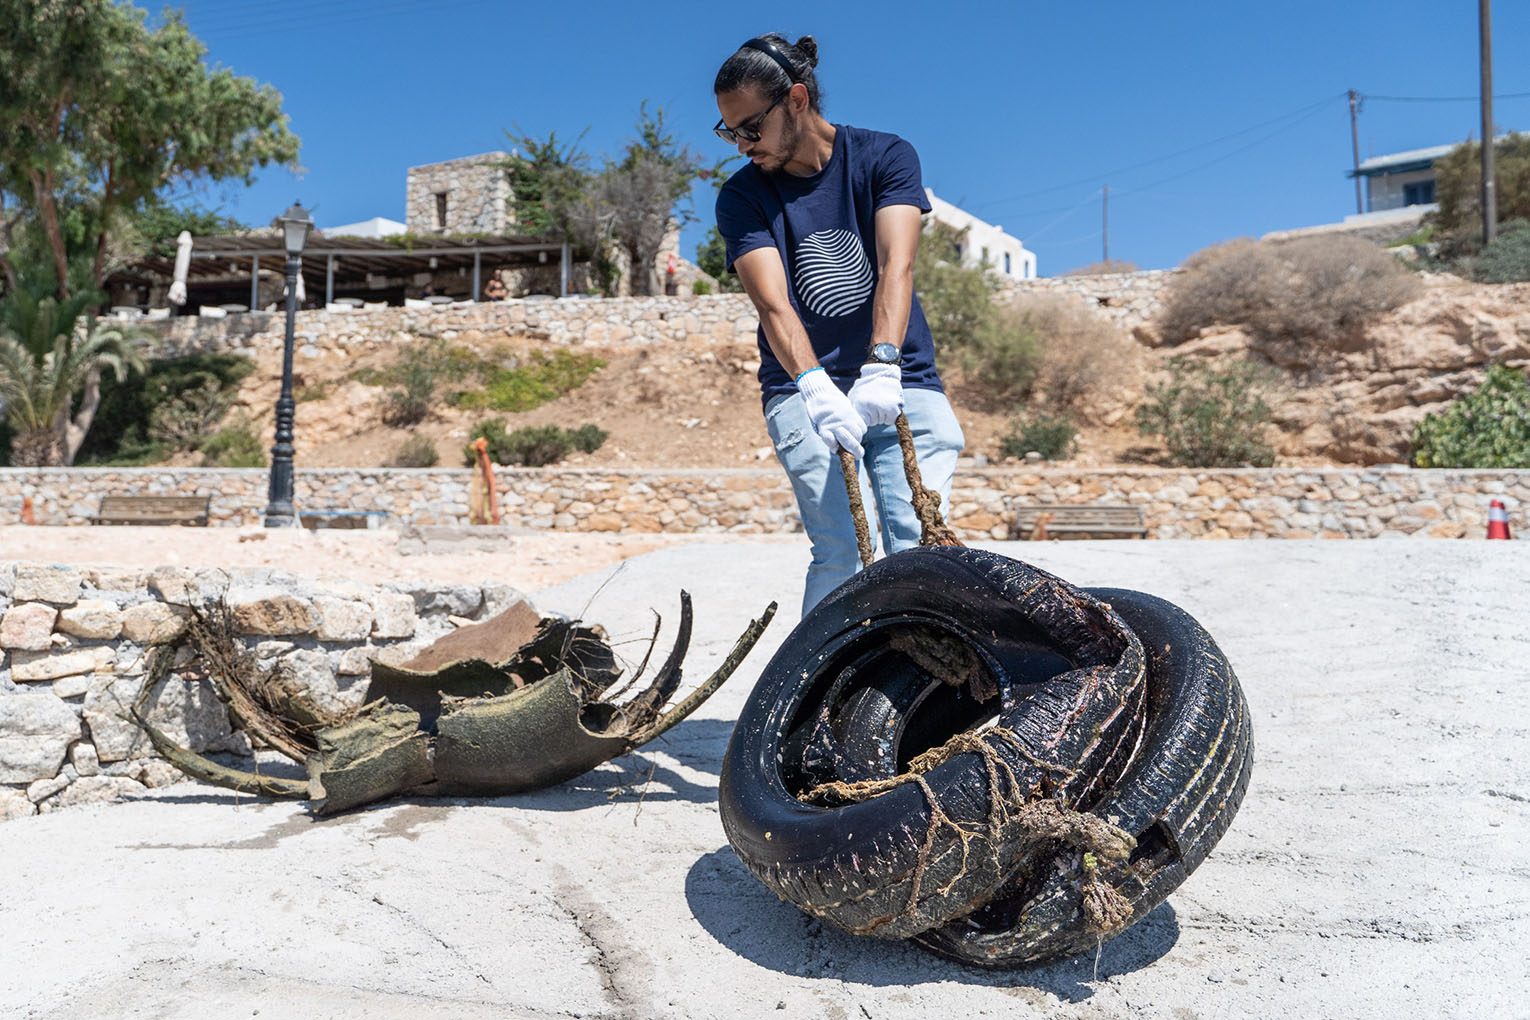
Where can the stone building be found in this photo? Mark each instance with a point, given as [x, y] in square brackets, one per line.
[470, 195]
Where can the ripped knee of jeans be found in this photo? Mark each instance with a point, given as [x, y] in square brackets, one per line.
[790, 440]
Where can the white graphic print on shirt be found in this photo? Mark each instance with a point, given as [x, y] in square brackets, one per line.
[833, 275]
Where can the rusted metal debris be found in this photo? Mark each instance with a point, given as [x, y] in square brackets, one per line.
[516, 703]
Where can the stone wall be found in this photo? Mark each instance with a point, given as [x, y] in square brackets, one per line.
[477, 196]
[73, 653]
[1129, 299]
[1178, 503]
[717, 318]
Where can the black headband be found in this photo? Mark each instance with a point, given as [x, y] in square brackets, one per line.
[768, 48]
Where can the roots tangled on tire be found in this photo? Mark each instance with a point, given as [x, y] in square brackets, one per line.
[959, 748]
[500, 707]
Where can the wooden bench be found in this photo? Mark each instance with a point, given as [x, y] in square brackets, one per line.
[347, 519]
[1079, 520]
[188, 510]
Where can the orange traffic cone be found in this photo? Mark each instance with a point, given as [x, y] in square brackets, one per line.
[1498, 520]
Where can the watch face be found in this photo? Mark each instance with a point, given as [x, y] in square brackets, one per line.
[887, 354]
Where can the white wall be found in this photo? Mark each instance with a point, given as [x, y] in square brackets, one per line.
[1386, 190]
[985, 241]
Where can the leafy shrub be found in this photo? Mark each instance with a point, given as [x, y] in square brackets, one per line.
[1489, 428]
[415, 376]
[234, 446]
[534, 445]
[1458, 186]
[540, 379]
[1001, 358]
[416, 452]
[588, 438]
[184, 421]
[1315, 290]
[1507, 259]
[1210, 415]
[700, 287]
[121, 433]
[1049, 436]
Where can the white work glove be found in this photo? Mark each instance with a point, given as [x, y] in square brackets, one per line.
[877, 395]
[833, 418]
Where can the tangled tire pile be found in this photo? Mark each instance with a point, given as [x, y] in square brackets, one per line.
[959, 748]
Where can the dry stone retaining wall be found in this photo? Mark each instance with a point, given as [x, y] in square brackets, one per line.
[721, 318]
[1178, 503]
[73, 653]
[1129, 299]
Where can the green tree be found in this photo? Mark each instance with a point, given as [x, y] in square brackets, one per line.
[712, 257]
[644, 192]
[50, 350]
[627, 205]
[957, 299]
[1458, 188]
[154, 228]
[1489, 428]
[100, 114]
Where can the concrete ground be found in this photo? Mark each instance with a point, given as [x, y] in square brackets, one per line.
[1379, 867]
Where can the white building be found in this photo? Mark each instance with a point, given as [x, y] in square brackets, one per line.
[985, 242]
[377, 226]
[1400, 179]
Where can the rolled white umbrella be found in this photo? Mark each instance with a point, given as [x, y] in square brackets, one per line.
[182, 265]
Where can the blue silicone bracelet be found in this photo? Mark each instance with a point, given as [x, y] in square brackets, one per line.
[815, 368]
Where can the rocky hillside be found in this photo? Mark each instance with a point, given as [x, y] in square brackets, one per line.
[694, 403]
[1360, 405]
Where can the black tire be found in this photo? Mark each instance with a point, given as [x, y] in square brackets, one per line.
[1070, 677]
[1177, 797]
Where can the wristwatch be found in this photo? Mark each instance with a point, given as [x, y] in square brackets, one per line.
[885, 354]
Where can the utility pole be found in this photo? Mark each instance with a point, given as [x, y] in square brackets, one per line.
[1105, 225]
[1354, 143]
[1489, 183]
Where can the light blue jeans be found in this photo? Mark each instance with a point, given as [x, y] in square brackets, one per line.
[820, 486]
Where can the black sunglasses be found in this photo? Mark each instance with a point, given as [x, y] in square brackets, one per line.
[749, 131]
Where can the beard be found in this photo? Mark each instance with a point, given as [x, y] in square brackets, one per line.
[791, 135]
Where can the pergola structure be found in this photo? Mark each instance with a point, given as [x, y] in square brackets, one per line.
[352, 263]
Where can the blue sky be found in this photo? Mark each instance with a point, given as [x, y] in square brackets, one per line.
[1020, 111]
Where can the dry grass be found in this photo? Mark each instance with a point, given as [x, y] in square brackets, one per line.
[1320, 292]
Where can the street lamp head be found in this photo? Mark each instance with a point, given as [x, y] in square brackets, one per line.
[296, 225]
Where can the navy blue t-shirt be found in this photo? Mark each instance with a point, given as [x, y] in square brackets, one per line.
[824, 227]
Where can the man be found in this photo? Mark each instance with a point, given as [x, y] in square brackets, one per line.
[821, 227]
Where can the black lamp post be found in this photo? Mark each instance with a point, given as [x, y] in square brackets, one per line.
[295, 224]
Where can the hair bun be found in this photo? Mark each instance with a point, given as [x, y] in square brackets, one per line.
[808, 47]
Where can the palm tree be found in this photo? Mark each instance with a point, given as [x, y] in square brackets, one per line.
[47, 356]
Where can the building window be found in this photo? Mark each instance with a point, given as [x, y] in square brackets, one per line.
[1418, 193]
[1007, 270]
[985, 254]
[440, 210]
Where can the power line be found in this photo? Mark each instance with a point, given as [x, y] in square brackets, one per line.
[1172, 155]
[1222, 158]
[251, 24]
[1069, 211]
[1442, 99]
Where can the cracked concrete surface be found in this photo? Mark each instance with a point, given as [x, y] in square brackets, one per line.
[1379, 865]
